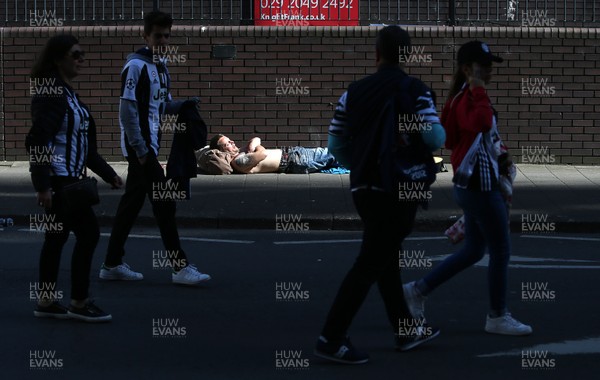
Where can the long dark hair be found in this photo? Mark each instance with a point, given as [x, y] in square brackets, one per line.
[56, 48]
[458, 80]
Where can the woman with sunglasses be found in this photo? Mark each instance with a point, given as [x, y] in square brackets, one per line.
[61, 145]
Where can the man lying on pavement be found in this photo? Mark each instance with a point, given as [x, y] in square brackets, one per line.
[255, 158]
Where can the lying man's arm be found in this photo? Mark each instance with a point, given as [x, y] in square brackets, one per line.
[244, 163]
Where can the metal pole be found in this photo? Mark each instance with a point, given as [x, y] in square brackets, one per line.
[451, 12]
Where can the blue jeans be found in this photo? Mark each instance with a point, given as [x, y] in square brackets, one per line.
[486, 225]
[309, 160]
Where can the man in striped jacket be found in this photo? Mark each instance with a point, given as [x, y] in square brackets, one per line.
[145, 84]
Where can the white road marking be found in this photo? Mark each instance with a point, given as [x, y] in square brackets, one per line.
[292, 242]
[554, 266]
[137, 236]
[183, 238]
[333, 241]
[428, 238]
[483, 262]
[559, 238]
[568, 347]
[523, 259]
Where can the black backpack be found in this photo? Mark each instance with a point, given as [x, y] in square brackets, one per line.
[403, 156]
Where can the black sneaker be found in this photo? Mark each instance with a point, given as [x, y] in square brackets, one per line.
[55, 310]
[408, 342]
[340, 351]
[89, 313]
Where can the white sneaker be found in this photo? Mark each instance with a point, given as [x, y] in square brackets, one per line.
[506, 325]
[120, 272]
[189, 275]
[414, 300]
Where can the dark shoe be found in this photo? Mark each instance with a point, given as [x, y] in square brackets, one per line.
[424, 334]
[89, 313]
[55, 310]
[339, 351]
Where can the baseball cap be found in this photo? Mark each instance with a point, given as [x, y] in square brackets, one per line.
[476, 51]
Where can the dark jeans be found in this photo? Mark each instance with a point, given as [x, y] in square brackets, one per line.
[82, 221]
[486, 225]
[387, 222]
[140, 182]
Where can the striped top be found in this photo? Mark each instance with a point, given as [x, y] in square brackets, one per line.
[146, 82]
[70, 145]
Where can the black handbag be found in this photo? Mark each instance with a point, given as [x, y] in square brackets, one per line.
[82, 193]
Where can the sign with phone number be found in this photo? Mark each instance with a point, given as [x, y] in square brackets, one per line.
[306, 12]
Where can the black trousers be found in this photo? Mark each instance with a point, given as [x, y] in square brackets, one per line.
[141, 182]
[387, 222]
[61, 219]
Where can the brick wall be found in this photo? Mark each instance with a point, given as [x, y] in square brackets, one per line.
[244, 97]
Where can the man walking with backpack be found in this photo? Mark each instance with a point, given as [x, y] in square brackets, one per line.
[356, 140]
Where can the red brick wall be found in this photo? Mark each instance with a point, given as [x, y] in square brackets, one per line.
[239, 96]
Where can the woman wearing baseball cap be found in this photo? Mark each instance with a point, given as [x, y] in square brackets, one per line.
[471, 133]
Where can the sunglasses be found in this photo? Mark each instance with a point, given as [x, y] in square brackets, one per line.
[78, 54]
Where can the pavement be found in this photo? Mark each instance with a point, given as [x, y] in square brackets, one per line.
[565, 197]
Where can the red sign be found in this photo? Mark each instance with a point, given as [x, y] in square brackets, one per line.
[305, 12]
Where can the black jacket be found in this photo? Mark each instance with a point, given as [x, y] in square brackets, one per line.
[182, 164]
[365, 105]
